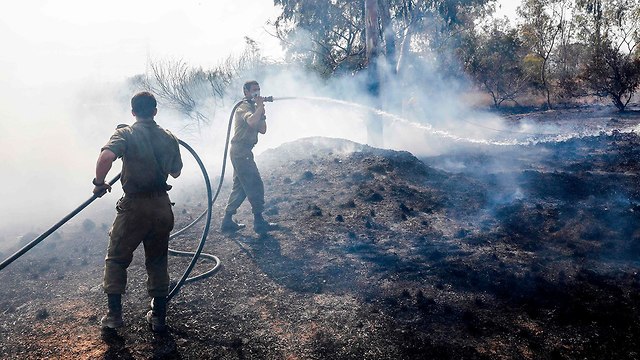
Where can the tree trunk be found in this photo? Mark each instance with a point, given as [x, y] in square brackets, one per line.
[371, 30]
[545, 84]
[374, 123]
[617, 101]
[404, 49]
[387, 32]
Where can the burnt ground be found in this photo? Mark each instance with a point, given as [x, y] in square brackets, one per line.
[512, 253]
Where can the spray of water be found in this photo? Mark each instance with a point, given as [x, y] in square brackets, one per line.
[520, 138]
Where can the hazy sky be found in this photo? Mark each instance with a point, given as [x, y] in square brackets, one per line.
[75, 39]
[507, 8]
[71, 39]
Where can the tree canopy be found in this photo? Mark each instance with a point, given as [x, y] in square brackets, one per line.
[562, 49]
[329, 36]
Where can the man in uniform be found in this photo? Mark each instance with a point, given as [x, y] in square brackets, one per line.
[149, 154]
[249, 120]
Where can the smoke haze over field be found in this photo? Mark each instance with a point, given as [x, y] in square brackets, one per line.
[64, 74]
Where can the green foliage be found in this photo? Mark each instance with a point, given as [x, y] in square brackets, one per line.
[544, 22]
[325, 36]
[613, 74]
[568, 75]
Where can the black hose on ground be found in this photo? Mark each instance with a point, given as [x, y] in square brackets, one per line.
[185, 278]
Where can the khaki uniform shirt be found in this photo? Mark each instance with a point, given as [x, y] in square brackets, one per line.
[149, 153]
[243, 134]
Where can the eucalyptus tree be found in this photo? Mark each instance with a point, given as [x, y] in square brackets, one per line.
[336, 37]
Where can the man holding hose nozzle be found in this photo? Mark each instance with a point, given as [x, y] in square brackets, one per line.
[149, 154]
[249, 120]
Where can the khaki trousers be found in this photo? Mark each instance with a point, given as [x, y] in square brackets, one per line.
[247, 183]
[139, 220]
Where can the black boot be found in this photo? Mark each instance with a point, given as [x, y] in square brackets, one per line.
[262, 226]
[228, 225]
[157, 316]
[113, 319]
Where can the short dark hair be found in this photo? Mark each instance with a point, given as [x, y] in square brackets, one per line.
[247, 85]
[143, 104]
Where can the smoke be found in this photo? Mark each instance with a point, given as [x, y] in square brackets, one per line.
[65, 69]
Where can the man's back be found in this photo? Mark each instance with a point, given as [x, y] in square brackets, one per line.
[149, 154]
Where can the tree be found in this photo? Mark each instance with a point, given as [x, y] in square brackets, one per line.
[568, 59]
[495, 62]
[544, 21]
[372, 50]
[329, 37]
[613, 73]
[611, 31]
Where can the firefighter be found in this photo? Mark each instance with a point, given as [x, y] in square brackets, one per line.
[250, 119]
[149, 154]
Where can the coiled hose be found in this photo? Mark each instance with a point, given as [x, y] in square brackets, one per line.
[211, 200]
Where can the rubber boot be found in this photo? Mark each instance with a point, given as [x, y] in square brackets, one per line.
[157, 316]
[262, 226]
[113, 319]
[228, 225]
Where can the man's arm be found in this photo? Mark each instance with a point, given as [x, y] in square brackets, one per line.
[105, 160]
[256, 120]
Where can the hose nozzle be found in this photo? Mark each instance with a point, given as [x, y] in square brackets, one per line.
[267, 99]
